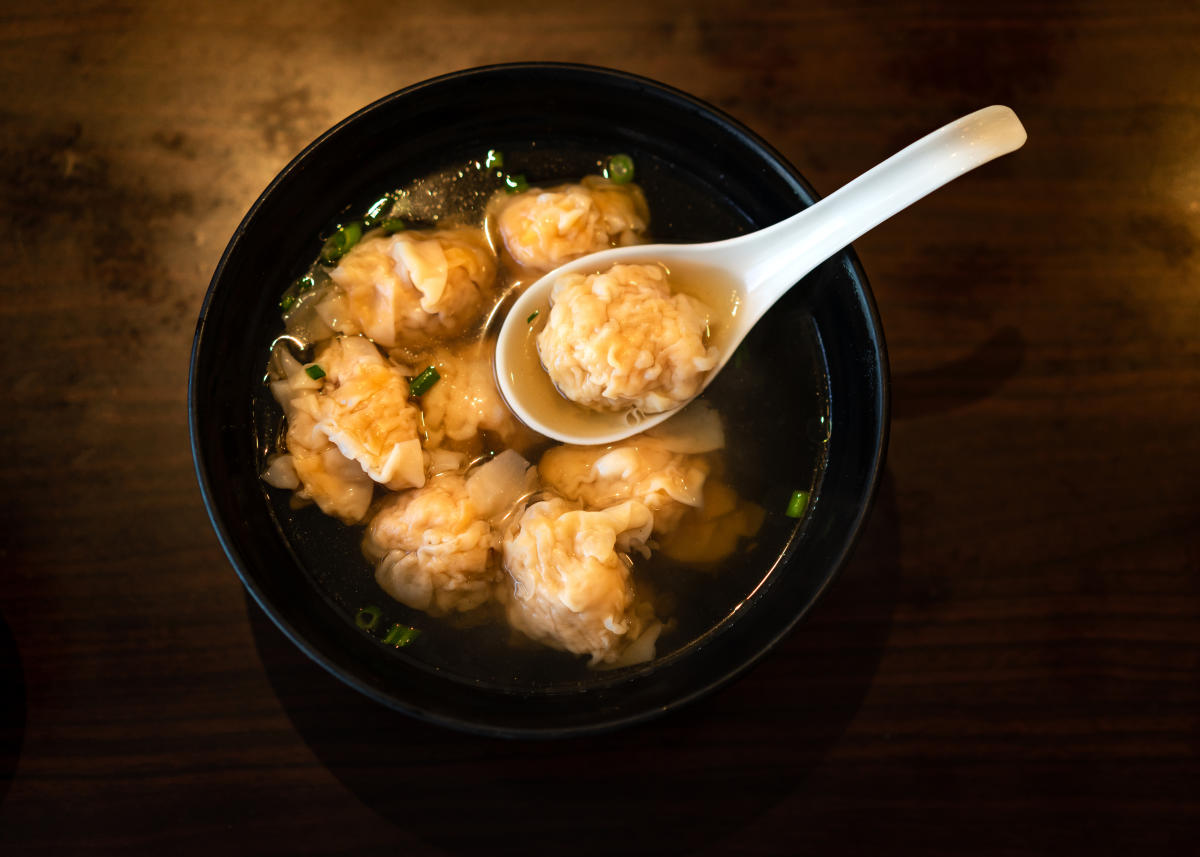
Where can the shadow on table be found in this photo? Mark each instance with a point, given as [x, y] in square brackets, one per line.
[669, 786]
[12, 707]
[973, 377]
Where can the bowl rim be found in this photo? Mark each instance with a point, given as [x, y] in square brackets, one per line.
[836, 563]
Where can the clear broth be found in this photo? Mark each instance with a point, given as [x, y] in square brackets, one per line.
[774, 446]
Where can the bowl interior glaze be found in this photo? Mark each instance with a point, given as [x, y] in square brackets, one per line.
[808, 407]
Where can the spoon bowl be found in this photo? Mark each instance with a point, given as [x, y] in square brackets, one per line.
[750, 273]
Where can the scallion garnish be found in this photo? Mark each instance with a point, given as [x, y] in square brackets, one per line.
[367, 618]
[797, 505]
[401, 635]
[315, 372]
[493, 159]
[420, 385]
[532, 316]
[305, 283]
[619, 169]
[392, 224]
[515, 183]
[339, 243]
[287, 302]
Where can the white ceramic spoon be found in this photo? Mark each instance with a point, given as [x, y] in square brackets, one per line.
[761, 266]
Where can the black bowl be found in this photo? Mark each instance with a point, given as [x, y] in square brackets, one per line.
[807, 408]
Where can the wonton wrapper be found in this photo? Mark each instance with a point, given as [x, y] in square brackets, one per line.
[571, 588]
[417, 287]
[543, 228]
[433, 548]
[712, 531]
[364, 410]
[312, 465]
[465, 399]
[620, 339]
[641, 469]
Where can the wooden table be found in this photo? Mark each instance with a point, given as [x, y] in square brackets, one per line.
[1011, 663]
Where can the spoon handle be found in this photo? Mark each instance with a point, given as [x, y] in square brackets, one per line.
[778, 256]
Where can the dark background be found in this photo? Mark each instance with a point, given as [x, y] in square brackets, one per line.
[1010, 664]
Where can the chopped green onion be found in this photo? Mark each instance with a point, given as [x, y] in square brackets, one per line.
[493, 159]
[401, 635]
[367, 618]
[392, 224]
[619, 169]
[340, 242]
[305, 283]
[515, 183]
[420, 385]
[797, 505]
[315, 372]
[532, 316]
[287, 302]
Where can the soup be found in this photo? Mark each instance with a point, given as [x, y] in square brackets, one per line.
[682, 514]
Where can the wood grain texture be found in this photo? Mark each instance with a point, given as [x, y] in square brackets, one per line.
[1010, 665]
